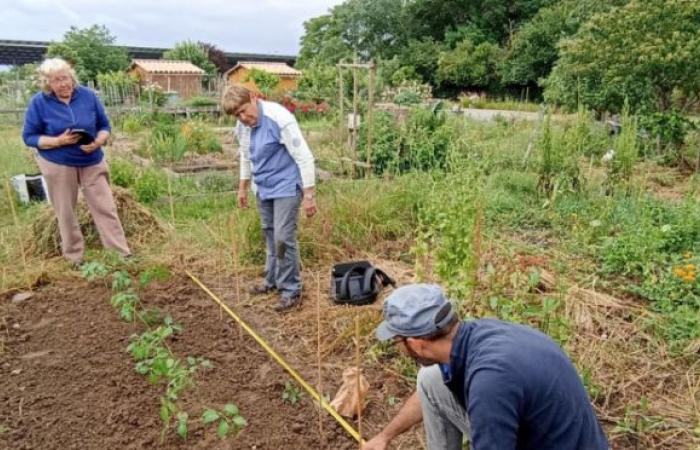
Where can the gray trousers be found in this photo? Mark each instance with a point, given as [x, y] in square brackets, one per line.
[444, 418]
[278, 218]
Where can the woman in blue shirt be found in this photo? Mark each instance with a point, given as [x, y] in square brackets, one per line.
[71, 161]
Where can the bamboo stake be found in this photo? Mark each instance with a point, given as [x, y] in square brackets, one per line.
[355, 89]
[370, 108]
[236, 272]
[11, 199]
[359, 391]
[319, 382]
[341, 103]
[170, 199]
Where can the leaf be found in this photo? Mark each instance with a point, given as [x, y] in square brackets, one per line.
[240, 421]
[164, 413]
[182, 424]
[222, 429]
[209, 416]
[231, 409]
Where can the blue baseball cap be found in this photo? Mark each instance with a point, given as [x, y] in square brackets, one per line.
[415, 310]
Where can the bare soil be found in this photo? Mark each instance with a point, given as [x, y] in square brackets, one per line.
[67, 382]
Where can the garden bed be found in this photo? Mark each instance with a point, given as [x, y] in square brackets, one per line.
[68, 382]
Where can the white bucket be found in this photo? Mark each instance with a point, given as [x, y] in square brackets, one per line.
[30, 188]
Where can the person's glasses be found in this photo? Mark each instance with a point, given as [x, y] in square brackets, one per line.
[60, 79]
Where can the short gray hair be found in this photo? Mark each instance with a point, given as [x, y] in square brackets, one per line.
[49, 67]
[234, 97]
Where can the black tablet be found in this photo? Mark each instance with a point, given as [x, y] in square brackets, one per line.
[85, 137]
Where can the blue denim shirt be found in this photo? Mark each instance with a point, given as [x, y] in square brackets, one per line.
[48, 116]
[521, 390]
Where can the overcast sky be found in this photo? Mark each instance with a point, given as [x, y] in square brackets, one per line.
[256, 26]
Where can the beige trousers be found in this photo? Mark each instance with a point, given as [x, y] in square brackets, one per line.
[63, 183]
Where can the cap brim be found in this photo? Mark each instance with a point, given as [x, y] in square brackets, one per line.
[383, 332]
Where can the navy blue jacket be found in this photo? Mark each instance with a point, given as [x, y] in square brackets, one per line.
[47, 115]
[522, 391]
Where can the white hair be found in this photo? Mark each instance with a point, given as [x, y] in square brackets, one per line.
[51, 66]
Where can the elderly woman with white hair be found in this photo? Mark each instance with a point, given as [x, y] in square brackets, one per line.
[68, 126]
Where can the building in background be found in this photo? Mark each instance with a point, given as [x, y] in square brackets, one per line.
[182, 77]
[289, 76]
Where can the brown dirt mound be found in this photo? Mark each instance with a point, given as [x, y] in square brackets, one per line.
[138, 222]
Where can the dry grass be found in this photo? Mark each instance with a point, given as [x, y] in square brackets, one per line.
[140, 226]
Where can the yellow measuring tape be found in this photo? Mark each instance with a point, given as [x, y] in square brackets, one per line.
[312, 392]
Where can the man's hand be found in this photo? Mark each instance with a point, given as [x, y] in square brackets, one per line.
[243, 198]
[379, 442]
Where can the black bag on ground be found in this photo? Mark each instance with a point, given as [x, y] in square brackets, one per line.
[357, 282]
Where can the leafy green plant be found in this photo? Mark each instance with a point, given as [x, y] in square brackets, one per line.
[291, 393]
[125, 303]
[150, 185]
[93, 270]
[229, 419]
[155, 273]
[122, 172]
[121, 280]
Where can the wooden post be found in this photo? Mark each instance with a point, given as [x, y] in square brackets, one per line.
[370, 109]
[355, 89]
[341, 103]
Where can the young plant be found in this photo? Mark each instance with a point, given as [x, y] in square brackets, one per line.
[155, 273]
[121, 281]
[291, 393]
[229, 419]
[93, 270]
[125, 303]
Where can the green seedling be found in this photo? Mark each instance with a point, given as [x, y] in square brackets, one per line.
[121, 281]
[151, 317]
[229, 420]
[93, 270]
[156, 273]
[291, 393]
[125, 303]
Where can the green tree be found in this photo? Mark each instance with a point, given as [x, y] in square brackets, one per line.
[647, 52]
[370, 29]
[318, 82]
[265, 81]
[495, 19]
[533, 50]
[91, 51]
[192, 52]
[470, 65]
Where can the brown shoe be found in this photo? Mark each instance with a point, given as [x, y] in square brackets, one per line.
[287, 303]
[261, 289]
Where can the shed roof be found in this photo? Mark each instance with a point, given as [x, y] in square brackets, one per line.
[276, 68]
[167, 66]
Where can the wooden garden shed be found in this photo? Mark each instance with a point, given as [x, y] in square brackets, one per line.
[182, 77]
[289, 76]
